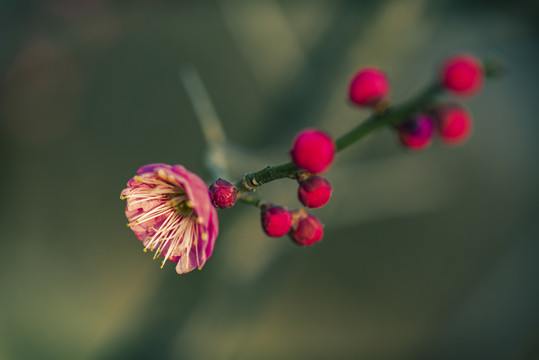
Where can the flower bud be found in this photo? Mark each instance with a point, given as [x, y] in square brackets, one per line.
[313, 150]
[223, 194]
[314, 192]
[368, 87]
[454, 124]
[306, 228]
[462, 74]
[276, 221]
[416, 133]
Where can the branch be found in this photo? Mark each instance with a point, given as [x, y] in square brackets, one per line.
[390, 116]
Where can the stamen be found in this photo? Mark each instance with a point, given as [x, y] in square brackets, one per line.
[176, 237]
[148, 199]
[155, 212]
[158, 238]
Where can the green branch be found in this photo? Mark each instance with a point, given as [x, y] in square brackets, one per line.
[391, 116]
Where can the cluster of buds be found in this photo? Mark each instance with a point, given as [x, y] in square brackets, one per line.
[303, 227]
[312, 152]
[172, 212]
[461, 75]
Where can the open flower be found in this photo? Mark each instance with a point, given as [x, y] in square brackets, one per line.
[169, 209]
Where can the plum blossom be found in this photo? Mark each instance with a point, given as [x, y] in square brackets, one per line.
[169, 209]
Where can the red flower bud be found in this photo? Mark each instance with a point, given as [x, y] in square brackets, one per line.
[276, 221]
[306, 228]
[416, 133]
[454, 124]
[313, 150]
[462, 74]
[314, 192]
[223, 194]
[368, 87]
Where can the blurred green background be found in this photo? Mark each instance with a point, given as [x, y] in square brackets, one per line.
[425, 256]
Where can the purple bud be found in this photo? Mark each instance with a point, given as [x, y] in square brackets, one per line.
[276, 221]
[223, 194]
[314, 192]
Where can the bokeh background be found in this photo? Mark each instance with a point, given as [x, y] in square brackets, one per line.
[426, 256]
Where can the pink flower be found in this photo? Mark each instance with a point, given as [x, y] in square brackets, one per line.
[170, 211]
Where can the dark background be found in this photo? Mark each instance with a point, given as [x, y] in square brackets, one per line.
[425, 256]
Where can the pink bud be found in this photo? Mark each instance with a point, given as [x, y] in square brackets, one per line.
[223, 194]
[416, 133]
[276, 221]
[313, 150]
[368, 87]
[306, 228]
[462, 74]
[454, 124]
[314, 192]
